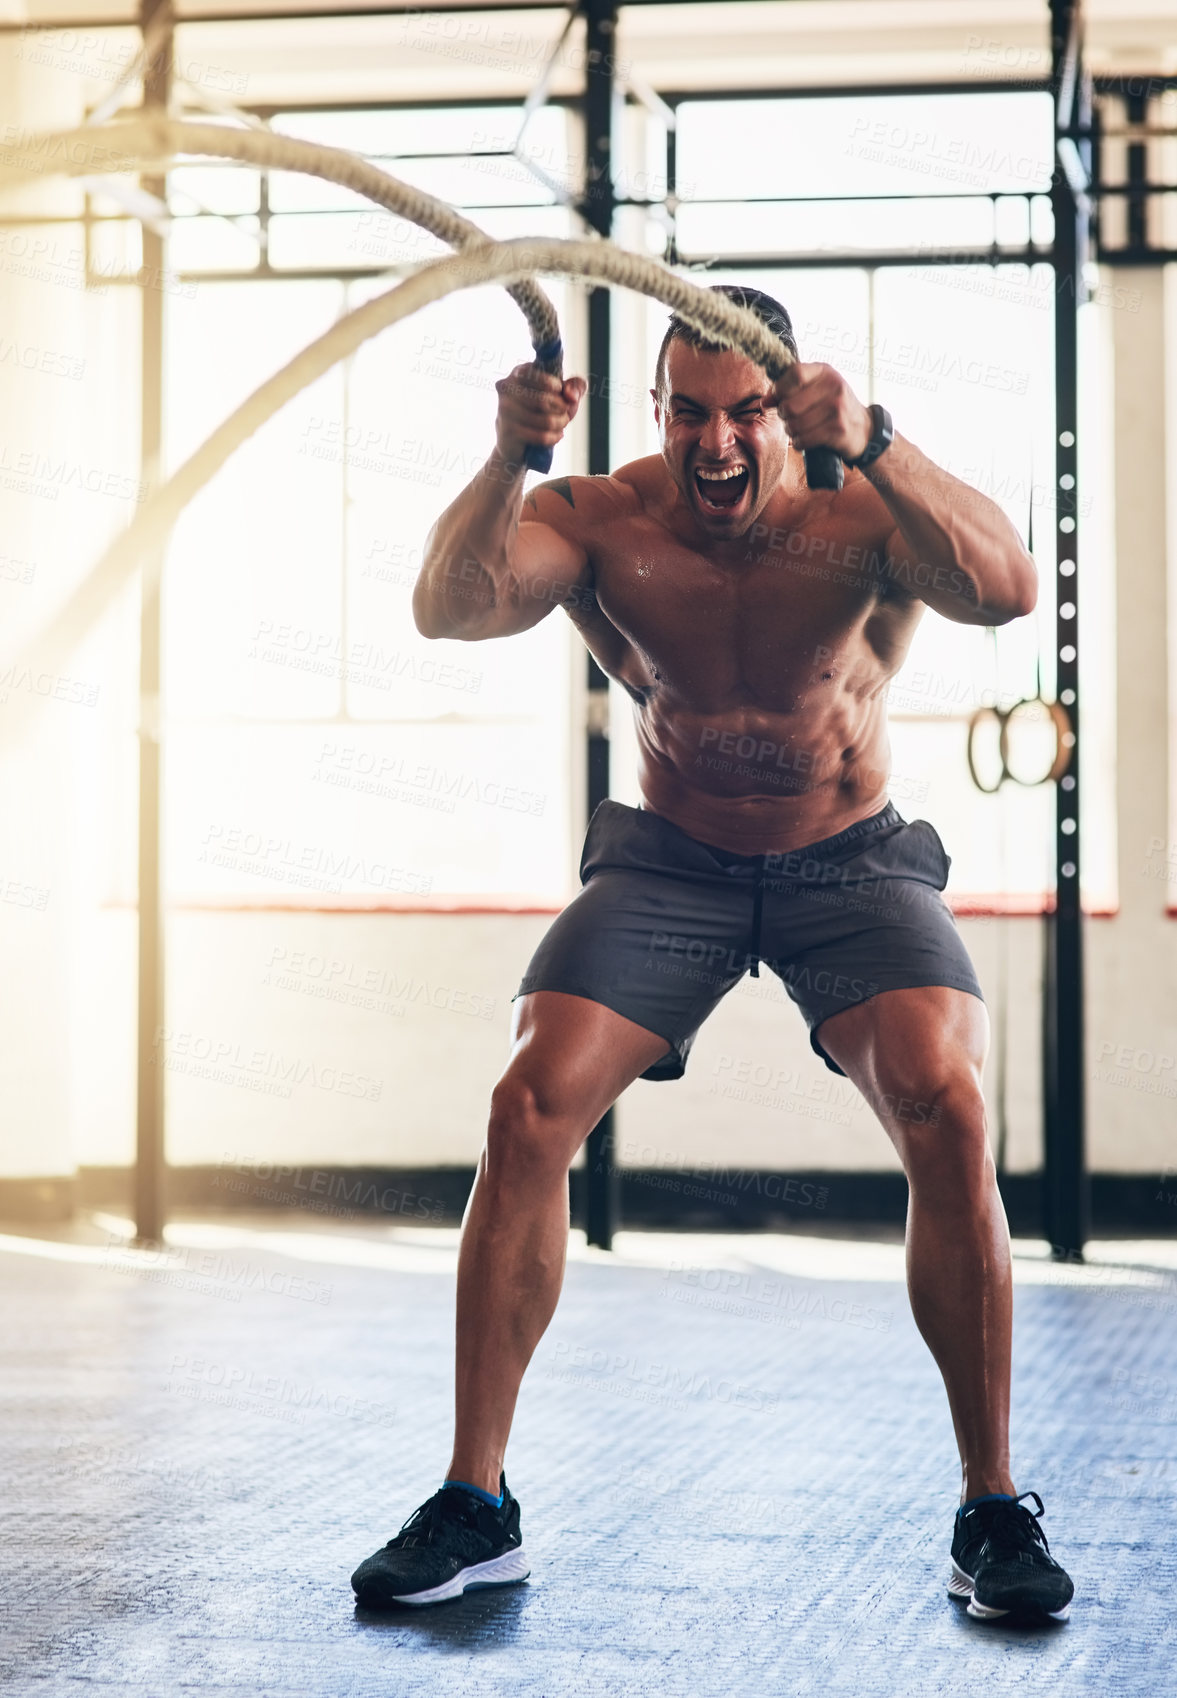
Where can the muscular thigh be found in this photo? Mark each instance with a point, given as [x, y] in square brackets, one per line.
[906, 1049]
[576, 1056]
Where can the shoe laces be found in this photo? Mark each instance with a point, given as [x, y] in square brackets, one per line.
[425, 1523]
[1012, 1526]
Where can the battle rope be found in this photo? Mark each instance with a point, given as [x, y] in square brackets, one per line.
[143, 142]
[717, 318]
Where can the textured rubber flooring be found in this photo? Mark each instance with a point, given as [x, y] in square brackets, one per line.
[734, 1480]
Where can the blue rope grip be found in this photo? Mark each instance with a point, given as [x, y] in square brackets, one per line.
[549, 356]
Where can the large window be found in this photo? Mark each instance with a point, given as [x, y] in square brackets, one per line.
[319, 748]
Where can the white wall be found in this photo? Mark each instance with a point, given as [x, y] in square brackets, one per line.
[394, 1066]
[68, 480]
[1132, 960]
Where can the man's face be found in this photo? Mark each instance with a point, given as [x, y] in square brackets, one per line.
[725, 449]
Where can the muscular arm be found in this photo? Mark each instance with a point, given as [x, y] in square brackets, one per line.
[492, 566]
[496, 563]
[952, 547]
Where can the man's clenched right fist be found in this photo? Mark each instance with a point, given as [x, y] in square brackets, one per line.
[534, 407]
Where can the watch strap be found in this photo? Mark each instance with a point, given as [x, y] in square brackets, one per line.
[882, 432]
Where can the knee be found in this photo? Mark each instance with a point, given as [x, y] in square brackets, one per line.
[528, 1136]
[941, 1132]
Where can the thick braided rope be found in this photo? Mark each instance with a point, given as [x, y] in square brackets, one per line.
[141, 144]
[146, 141]
[715, 317]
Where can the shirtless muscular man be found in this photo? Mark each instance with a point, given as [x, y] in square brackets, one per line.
[756, 624]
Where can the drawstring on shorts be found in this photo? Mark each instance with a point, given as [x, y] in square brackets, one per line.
[757, 917]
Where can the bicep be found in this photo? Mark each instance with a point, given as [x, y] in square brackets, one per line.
[547, 570]
[549, 561]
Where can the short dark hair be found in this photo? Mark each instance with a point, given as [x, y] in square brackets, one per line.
[770, 313]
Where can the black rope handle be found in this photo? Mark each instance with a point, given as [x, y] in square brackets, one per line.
[549, 357]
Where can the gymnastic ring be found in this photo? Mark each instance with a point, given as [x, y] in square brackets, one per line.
[1064, 742]
[974, 722]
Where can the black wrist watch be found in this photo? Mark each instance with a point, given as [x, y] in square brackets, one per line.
[881, 434]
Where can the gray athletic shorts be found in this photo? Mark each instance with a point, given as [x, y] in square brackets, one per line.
[664, 925]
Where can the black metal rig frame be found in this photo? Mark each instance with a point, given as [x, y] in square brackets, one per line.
[1075, 194]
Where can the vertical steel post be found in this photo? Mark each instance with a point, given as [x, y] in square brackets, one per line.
[601, 1179]
[1066, 1208]
[150, 1149]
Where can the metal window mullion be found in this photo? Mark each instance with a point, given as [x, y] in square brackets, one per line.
[597, 208]
[150, 1177]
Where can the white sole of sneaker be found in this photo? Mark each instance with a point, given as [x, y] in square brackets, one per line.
[499, 1571]
[961, 1586]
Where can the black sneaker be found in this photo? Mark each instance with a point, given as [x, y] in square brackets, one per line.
[454, 1543]
[1002, 1565]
